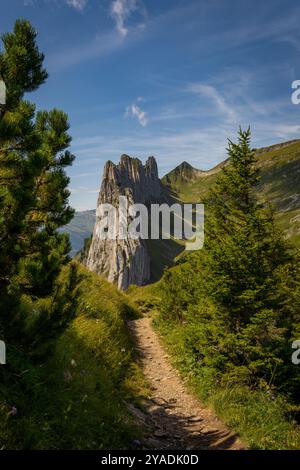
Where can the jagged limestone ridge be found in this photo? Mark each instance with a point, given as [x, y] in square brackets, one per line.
[125, 262]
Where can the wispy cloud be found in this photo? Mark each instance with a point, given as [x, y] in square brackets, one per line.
[105, 43]
[77, 4]
[135, 110]
[121, 11]
[210, 92]
[100, 46]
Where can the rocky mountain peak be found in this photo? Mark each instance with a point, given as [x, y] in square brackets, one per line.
[151, 166]
[127, 261]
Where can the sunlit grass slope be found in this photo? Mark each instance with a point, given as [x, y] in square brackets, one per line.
[75, 398]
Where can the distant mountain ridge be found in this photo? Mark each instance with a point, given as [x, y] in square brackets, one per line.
[80, 228]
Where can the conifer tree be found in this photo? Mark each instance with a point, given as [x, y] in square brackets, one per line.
[33, 182]
[249, 274]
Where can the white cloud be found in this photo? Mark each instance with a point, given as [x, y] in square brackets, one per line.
[213, 94]
[136, 111]
[102, 44]
[77, 4]
[120, 11]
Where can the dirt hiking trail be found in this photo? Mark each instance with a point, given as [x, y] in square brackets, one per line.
[173, 417]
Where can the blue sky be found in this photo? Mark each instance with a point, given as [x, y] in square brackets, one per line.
[169, 78]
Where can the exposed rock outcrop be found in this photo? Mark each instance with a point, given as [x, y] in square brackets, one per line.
[125, 261]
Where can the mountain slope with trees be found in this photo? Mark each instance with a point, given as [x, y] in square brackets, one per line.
[230, 312]
[279, 184]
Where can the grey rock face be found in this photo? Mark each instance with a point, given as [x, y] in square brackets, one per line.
[125, 262]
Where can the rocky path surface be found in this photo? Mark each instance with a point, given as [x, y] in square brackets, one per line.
[174, 418]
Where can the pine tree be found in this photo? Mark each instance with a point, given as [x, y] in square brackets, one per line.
[250, 274]
[243, 245]
[33, 182]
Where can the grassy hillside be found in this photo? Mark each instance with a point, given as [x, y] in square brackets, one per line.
[183, 173]
[74, 399]
[280, 184]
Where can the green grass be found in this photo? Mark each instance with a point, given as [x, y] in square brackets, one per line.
[146, 298]
[195, 190]
[75, 398]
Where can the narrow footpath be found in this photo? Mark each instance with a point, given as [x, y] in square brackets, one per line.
[175, 419]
